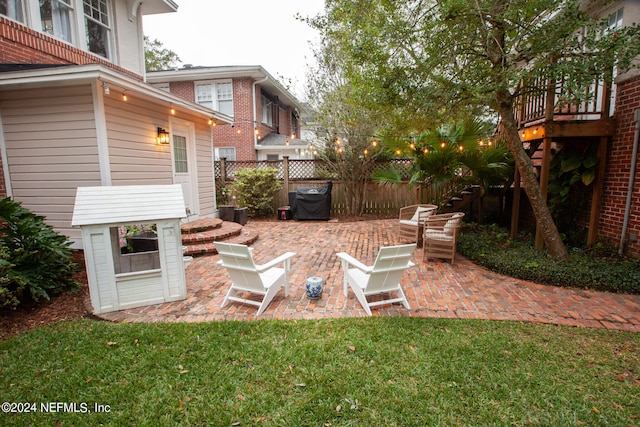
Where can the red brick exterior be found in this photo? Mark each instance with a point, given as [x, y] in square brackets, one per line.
[22, 45]
[185, 90]
[241, 135]
[618, 170]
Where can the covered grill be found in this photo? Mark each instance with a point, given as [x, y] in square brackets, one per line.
[311, 202]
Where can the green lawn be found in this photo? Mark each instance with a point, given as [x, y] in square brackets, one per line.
[347, 372]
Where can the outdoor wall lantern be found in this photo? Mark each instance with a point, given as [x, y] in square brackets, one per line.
[163, 136]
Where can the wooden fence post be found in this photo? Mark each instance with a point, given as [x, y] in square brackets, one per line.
[285, 173]
[223, 169]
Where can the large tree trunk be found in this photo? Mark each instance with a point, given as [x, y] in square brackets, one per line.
[544, 220]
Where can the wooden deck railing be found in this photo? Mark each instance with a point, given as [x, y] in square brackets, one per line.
[531, 105]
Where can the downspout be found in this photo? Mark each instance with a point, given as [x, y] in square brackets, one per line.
[632, 178]
[255, 119]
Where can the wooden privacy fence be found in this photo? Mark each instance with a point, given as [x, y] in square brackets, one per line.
[293, 174]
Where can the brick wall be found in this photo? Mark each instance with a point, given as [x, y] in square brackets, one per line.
[241, 135]
[185, 90]
[22, 45]
[618, 170]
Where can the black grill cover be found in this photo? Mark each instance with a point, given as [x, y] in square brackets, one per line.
[311, 202]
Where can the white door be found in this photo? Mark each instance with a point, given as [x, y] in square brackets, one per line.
[182, 144]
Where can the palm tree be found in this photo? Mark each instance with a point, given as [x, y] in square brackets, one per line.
[449, 159]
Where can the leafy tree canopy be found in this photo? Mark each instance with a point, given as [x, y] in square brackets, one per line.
[158, 58]
[438, 57]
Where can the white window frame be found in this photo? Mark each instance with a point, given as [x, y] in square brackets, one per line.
[18, 15]
[78, 26]
[108, 26]
[267, 110]
[163, 86]
[63, 24]
[213, 99]
[218, 150]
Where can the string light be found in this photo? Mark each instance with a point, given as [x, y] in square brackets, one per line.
[374, 143]
[366, 151]
[442, 144]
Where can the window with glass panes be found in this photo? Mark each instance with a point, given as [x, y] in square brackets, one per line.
[98, 27]
[180, 154]
[224, 95]
[217, 96]
[13, 9]
[267, 114]
[228, 153]
[56, 18]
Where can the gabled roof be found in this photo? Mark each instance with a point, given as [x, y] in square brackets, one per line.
[69, 75]
[273, 140]
[256, 72]
[127, 204]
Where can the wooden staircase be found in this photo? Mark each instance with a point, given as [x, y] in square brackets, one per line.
[198, 236]
[462, 200]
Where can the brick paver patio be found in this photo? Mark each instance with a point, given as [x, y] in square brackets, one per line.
[433, 288]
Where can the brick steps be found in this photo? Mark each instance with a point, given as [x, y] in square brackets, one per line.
[246, 237]
[198, 236]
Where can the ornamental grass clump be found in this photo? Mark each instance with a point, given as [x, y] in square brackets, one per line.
[35, 261]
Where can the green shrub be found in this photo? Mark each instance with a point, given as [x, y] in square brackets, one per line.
[35, 261]
[599, 270]
[255, 189]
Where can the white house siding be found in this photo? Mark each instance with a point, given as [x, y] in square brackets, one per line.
[204, 160]
[135, 157]
[172, 255]
[129, 38]
[103, 283]
[50, 140]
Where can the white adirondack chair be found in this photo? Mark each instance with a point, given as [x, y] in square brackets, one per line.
[381, 278]
[246, 276]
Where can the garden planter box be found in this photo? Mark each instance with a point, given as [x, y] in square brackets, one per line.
[145, 242]
[227, 213]
[241, 215]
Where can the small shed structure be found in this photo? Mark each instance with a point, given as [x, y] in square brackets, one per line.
[122, 275]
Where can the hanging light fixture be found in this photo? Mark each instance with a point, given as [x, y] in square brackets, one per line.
[124, 95]
[163, 136]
